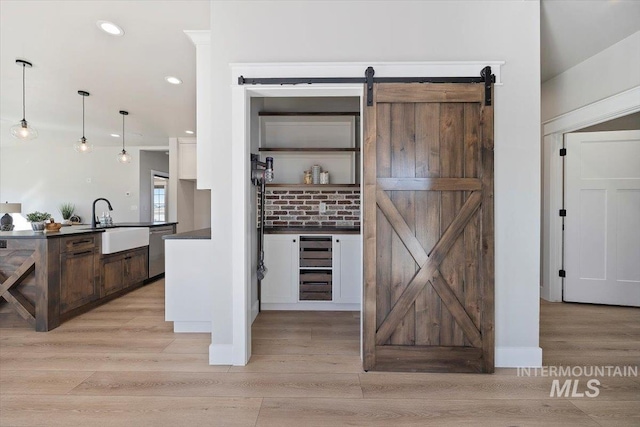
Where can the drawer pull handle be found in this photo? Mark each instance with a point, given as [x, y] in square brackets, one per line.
[127, 257]
[82, 253]
[79, 242]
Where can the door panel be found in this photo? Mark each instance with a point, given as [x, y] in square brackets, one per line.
[136, 266]
[280, 283]
[77, 279]
[602, 226]
[428, 229]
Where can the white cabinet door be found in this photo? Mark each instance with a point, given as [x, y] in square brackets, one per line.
[602, 226]
[187, 160]
[280, 258]
[347, 268]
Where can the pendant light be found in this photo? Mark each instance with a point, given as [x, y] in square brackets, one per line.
[23, 130]
[81, 146]
[123, 156]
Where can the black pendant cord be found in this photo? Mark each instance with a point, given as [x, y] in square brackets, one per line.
[124, 113]
[23, 97]
[123, 150]
[83, 138]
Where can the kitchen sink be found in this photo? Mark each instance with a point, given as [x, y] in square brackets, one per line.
[122, 239]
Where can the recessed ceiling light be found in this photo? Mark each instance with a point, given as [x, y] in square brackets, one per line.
[173, 80]
[115, 135]
[190, 132]
[110, 28]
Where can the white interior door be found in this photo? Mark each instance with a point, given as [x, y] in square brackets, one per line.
[602, 226]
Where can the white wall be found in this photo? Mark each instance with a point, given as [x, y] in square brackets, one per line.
[41, 175]
[337, 31]
[611, 71]
[630, 122]
[201, 209]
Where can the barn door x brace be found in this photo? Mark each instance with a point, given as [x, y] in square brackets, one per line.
[485, 77]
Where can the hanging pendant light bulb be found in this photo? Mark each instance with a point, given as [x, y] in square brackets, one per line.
[82, 146]
[123, 156]
[23, 130]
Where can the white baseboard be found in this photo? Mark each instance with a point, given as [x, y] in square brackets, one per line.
[191, 327]
[311, 306]
[254, 311]
[517, 357]
[221, 354]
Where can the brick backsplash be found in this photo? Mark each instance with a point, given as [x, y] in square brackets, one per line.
[302, 208]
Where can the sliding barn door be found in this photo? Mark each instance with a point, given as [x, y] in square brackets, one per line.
[428, 229]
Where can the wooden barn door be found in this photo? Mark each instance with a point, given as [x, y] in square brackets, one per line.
[428, 229]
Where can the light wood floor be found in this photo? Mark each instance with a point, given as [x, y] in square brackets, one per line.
[120, 365]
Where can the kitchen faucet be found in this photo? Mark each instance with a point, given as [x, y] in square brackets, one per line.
[93, 210]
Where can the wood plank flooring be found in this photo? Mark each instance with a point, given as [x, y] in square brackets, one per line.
[121, 365]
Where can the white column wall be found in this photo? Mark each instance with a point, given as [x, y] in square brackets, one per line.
[340, 31]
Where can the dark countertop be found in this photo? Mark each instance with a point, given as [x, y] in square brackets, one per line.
[126, 225]
[202, 234]
[64, 232]
[75, 230]
[143, 224]
[312, 230]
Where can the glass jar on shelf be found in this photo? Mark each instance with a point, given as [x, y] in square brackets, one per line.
[308, 178]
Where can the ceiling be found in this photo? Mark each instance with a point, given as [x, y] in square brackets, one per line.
[574, 30]
[69, 53]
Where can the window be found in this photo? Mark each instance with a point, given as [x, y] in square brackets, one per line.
[160, 195]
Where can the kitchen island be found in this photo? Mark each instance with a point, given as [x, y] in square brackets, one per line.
[48, 277]
[34, 267]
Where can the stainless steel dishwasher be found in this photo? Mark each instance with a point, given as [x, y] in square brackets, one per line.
[156, 248]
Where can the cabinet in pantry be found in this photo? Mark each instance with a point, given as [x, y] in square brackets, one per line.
[347, 260]
[297, 141]
[280, 257]
[289, 282]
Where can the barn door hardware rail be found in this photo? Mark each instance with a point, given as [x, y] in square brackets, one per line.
[485, 77]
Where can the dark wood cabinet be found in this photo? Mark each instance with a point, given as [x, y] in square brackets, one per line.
[136, 266]
[48, 278]
[79, 274]
[112, 274]
[123, 269]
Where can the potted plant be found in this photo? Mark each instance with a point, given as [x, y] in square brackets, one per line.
[37, 220]
[67, 209]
